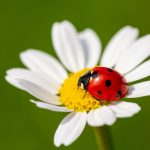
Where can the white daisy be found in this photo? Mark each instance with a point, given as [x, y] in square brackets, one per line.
[47, 79]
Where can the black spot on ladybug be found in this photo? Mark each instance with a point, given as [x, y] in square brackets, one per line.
[99, 92]
[110, 70]
[94, 74]
[107, 83]
[119, 94]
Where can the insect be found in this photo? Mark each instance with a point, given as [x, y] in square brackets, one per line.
[104, 84]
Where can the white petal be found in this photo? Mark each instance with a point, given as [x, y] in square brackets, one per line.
[67, 46]
[92, 121]
[139, 90]
[134, 55]
[125, 109]
[39, 92]
[138, 73]
[50, 107]
[101, 116]
[13, 81]
[107, 115]
[70, 128]
[117, 45]
[92, 47]
[14, 75]
[41, 62]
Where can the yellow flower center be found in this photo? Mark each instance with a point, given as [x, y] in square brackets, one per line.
[74, 98]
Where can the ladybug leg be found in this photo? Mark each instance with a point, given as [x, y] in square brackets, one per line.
[99, 101]
[84, 94]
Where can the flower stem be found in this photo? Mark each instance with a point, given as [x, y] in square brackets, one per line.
[103, 138]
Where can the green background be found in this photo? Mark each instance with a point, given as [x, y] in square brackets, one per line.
[27, 24]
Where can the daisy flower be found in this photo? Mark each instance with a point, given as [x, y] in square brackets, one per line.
[55, 83]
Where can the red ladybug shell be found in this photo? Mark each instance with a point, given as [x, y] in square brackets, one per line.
[107, 84]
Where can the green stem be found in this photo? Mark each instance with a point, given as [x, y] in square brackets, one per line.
[103, 138]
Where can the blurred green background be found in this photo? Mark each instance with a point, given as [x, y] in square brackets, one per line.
[27, 24]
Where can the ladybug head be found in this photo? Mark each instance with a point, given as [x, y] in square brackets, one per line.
[84, 80]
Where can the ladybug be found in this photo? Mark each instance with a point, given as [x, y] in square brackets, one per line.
[104, 84]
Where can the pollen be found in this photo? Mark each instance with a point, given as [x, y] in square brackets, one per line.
[76, 98]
